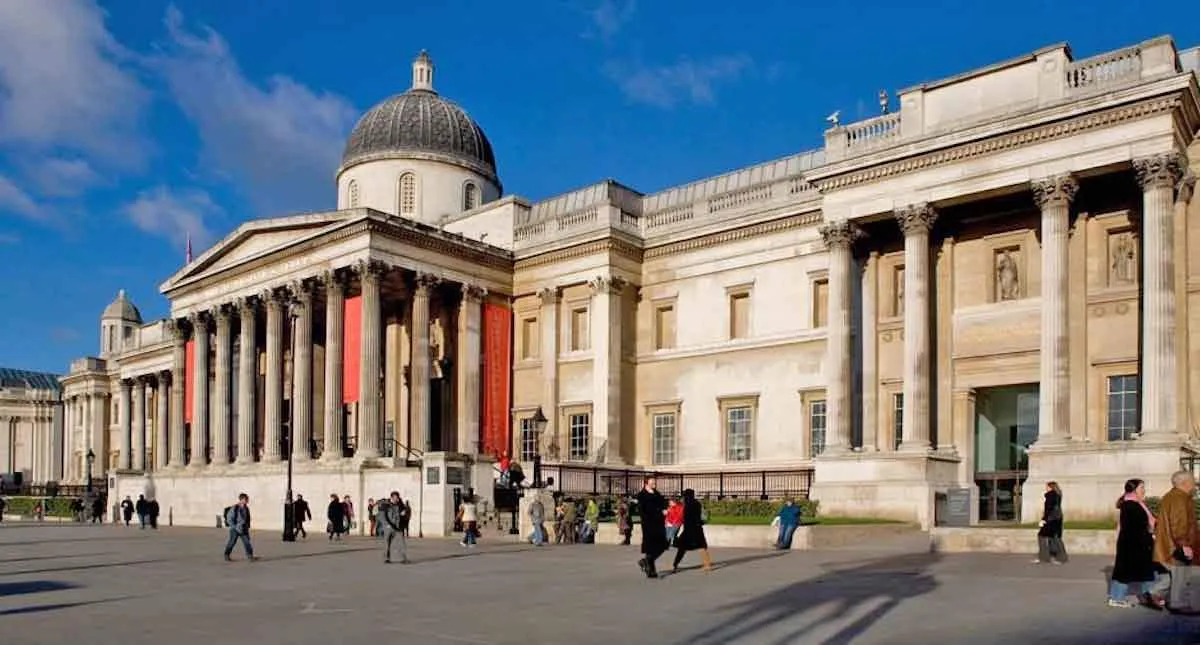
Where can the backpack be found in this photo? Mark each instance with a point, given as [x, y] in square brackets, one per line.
[230, 517]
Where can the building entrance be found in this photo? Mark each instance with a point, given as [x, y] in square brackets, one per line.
[1006, 424]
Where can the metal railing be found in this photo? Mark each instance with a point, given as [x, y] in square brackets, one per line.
[602, 481]
[52, 489]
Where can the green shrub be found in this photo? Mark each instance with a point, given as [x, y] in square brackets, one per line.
[23, 506]
[756, 508]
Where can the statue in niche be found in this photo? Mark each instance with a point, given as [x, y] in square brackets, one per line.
[898, 305]
[1124, 254]
[1008, 283]
[437, 345]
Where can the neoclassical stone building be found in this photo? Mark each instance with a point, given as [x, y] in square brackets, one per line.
[990, 285]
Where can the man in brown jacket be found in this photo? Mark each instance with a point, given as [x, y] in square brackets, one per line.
[1175, 535]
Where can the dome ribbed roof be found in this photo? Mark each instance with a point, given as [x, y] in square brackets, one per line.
[122, 309]
[420, 123]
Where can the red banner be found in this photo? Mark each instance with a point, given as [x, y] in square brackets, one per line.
[351, 348]
[189, 366]
[497, 370]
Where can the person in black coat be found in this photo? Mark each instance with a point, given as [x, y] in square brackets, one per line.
[691, 534]
[336, 514]
[1050, 528]
[1134, 566]
[651, 507]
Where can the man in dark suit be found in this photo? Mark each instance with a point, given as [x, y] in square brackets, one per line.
[652, 508]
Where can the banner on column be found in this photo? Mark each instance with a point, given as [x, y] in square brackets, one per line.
[189, 365]
[351, 348]
[496, 372]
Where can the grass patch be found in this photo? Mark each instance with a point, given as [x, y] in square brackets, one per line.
[747, 520]
[1088, 525]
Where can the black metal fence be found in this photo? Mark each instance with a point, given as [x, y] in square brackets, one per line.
[1190, 464]
[602, 481]
[53, 489]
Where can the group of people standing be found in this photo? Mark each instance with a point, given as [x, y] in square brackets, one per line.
[1155, 552]
[146, 510]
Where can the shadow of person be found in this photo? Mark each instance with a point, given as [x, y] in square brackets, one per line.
[833, 608]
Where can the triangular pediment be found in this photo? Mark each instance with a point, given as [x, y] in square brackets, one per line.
[256, 239]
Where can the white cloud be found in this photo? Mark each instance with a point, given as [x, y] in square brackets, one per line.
[608, 17]
[175, 215]
[58, 177]
[15, 200]
[664, 86]
[62, 83]
[280, 141]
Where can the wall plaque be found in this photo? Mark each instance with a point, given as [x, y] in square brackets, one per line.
[958, 507]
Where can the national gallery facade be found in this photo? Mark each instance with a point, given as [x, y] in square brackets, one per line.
[989, 283]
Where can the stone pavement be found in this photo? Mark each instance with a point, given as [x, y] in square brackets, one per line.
[129, 587]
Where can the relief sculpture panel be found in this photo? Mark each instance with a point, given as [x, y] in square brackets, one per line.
[1122, 258]
[1008, 275]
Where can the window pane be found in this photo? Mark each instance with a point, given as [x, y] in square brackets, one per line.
[579, 436]
[816, 423]
[738, 431]
[664, 438]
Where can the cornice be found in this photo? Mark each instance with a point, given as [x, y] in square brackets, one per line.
[436, 244]
[734, 235]
[606, 245]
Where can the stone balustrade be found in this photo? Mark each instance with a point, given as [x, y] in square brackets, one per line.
[1104, 71]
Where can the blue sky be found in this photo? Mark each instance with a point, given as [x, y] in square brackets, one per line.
[126, 126]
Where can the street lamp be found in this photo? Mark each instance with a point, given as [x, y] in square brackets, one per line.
[289, 511]
[539, 426]
[91, 459]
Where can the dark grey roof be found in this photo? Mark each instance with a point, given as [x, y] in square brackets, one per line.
[122, 309]
[26, 379]
[421, 121]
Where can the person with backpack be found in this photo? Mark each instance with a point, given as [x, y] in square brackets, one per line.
[394, 516]
[237, 518]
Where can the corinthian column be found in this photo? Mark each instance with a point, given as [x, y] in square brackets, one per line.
[199, 392]
[839, 238]
[178, 363]
[138, 460]
[916, 222]
[161, 421]
[302, 373]
[221, 407]
[468, 371]
[126, 455]
[1054, 197]
[418, 384]
[247, 378]
[606, 368]
[335, 311]
[1158, 176]
[273, 388]
[369, 418]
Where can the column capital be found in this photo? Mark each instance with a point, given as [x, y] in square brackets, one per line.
[301, 290]
[425, 282]
[245, 305]
[331, 279]
[164, 377]
[199, 321]
[840, 234]
[126, 384]
[1159, 171]
[550, 295]
[916, 218]
[176, 328]
[473, 293]
[273, 297]
[613, 285]
[221, 313]
[1186, 187]
[369, 269]
[1060, 189]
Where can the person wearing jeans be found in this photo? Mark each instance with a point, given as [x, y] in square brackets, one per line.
[788, 520]
[238, 519]
[470, 519]
[537, 517]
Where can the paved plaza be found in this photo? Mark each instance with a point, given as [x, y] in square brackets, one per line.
[129, 587]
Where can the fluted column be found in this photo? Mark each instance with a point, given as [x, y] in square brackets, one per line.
[916, 222]
[247, 379]
[126, 417]
[221, 382]
[200, 402]
[468, 371]
[273, 389]
[68, 434]
[551, 443]
[1158, 176]
[839, 238]
[302, 409]
[418, 384]
[335, 312]
[138, 461]
[606, 319]
[1054, 197]
[369, 418]
[179, 360]
[162, 421]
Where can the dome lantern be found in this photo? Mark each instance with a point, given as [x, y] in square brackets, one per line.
[422, 72]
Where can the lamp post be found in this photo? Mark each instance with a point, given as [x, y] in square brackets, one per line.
[91, 459]
[289, 511]
[539, 426]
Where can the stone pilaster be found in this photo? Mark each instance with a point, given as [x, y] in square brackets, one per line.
[606, 331]
[247, 379]
[140, 413]
[222, 373]
[302, 362]
[418, 384]
[200, 403]
[870, 354]
[1158, 176]
[126, 418]
[468, 372]
[162, 397]
[178, 379]
[916, 221]
[839, 237]
[273, 388]
[550, 297]
[1054, 197]
[370, 419]
[68, 434]
[335, 312]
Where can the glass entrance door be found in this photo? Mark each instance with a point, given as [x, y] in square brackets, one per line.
[1006, 424]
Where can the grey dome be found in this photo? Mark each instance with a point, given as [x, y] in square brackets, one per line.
[122, 309]
[420, 123]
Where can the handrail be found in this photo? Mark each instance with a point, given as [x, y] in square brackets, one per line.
[409, 452]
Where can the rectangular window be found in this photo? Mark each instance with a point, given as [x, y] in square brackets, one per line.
[816, 426]
[528, 439]
[579, 329]
[663, 437]
[1122, 407]
[580, 427]
[820, 299]
[739, 432]
[739, 314]
[897, 419]
[530, 338]
[664, 327]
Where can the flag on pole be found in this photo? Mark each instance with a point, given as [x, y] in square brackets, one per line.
[189, 248]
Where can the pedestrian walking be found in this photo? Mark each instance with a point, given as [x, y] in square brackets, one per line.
[127, 510]
[394, 517]
[3, 505]
[691, 534]
[1134, 565]
[1176, 540]
[674, 520]
[469, 515]
[140, 507]
[301, 513]
[152, 511]
[624, 526]
[336, 514]
[652, 507]
[537, 517]
[237, 518]
[1050, 528]
[348, 523]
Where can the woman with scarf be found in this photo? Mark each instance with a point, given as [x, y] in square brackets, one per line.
[1134, 566]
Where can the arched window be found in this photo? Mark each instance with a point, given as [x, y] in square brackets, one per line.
[470, 196]
[408, 194]
[353, 194]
